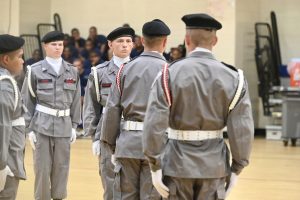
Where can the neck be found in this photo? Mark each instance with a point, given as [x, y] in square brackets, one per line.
[119, 61]
[155, 49]
[5, 69]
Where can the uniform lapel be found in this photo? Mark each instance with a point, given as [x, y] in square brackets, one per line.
[47, 67]
[63, 68]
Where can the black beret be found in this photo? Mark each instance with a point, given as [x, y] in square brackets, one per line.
[53, 36]
[156, 28]
[195, 21]
[10, 43]
[120, 32]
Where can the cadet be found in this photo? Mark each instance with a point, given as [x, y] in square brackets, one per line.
[51, 92]
[12, 123]
[129, 96]
[97, 90]
[197, 98]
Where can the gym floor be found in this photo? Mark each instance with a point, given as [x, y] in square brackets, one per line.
[273, 173]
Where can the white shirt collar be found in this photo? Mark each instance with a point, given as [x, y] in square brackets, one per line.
[119, 61]
[55, 63]
[200, 49]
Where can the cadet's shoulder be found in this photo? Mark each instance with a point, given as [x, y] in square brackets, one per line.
[6, 83]
[178, 62]
[69, 64]
[102, 65]
[71, 67]
[36, 67]
[231, 67]
[37, 64]
[132, 60]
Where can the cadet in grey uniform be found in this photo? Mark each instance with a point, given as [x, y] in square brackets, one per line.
[51, 92]
[12, 123]
[97, 90]
[196, 99]
[129, 96]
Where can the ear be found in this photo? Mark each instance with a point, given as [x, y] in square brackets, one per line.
[143, 41]
[187, 40]
[165, 42]
[5, 59]
[215, 40]
[110, 44]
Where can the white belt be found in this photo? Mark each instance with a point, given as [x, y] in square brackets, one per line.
[133, 126]
[53, 112]
[194, 135]
[18, 122]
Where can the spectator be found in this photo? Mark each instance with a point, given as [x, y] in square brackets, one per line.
[67, 43]
[36, 56]
[138, 47]
[107, 54]
[88, 48]
[175, 54]
[94, 60]
[67, 55]
[98, 40]
[77, 41]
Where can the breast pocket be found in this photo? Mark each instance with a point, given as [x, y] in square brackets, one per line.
[104, 91]
[45, 92]
[69, 91]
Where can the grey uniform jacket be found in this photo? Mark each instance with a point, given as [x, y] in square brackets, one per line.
[92, 109]
[12, 137]
[57, 91]
[136, 80]
[201, 91]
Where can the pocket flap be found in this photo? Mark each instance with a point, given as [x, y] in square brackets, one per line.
[44, 86]
[70, 86]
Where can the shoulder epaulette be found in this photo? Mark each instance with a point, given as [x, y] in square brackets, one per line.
[69, 64]
[39, 63]
[15, 87]
[102, 65]
[230, 66]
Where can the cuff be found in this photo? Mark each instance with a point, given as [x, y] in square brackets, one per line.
[236, 168]
[74, 125]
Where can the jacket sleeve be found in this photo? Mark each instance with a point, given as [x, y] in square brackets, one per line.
[75, 109]
[29, 100]
[240, 129]
[112, 117]
[6, 109]
[92, 109]
[155, 124]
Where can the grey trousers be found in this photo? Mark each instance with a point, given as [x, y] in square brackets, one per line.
[51, 167]
[106, 171]
[10, 189]
[133, 180]
[195, 189]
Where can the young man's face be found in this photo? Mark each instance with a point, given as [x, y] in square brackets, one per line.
[121, 46]
[54, 49]
[14, 61]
